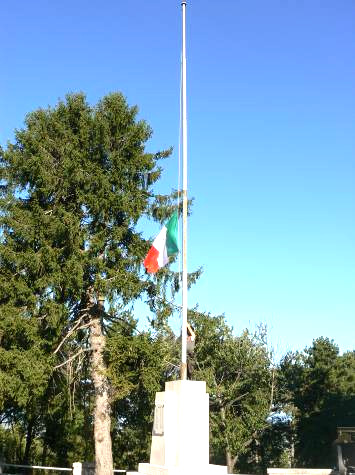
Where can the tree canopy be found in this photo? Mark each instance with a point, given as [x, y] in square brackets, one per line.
[237, 370]
[317, 387]
[73, 186]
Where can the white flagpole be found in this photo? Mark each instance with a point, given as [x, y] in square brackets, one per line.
[183, 371]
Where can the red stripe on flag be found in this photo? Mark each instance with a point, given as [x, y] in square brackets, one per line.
[151, 261]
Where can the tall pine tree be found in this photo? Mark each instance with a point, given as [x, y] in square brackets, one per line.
[74, 184]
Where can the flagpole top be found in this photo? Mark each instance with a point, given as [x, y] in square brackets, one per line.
[183, 2]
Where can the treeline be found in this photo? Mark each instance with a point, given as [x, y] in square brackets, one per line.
[77, 375]
[261, 415]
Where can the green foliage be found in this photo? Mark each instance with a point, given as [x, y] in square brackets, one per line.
[318, 387]
[139, 365]
[79, 172]
[238, 376]
[275, 443]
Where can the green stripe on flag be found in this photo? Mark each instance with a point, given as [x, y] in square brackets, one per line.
[172, 235]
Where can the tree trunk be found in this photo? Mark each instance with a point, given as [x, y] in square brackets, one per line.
[29, 438]
[44, 452]
[292, 452]
[230, 461]
[102, 411]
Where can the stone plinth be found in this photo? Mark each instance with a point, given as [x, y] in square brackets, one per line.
[299, 471]
[180, 439]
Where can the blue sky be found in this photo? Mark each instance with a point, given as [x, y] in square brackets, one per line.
[271, 111]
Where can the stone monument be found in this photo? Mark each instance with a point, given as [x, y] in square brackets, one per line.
[180, 438]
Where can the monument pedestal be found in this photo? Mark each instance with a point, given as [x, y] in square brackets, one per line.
[180, 439]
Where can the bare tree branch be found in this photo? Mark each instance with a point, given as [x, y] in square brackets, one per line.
[70, 332]
[71, 358]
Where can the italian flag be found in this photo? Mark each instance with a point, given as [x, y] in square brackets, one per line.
[164, 246]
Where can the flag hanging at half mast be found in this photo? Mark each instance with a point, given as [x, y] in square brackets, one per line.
[164, 246]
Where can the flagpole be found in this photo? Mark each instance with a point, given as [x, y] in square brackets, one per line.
[183, 370]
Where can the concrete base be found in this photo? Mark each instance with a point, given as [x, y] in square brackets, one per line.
[180, 439]
[300, 471]
[148, 469]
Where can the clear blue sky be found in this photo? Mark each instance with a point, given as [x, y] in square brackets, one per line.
[271, 89]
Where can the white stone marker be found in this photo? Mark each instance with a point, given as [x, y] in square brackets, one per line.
[180, 439]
